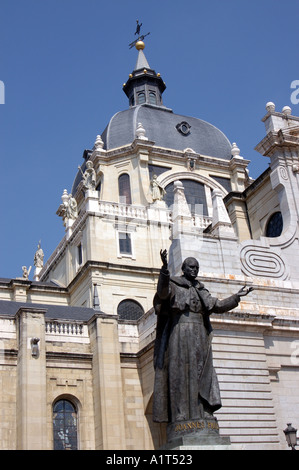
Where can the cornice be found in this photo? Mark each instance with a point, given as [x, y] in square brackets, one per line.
[277, 139]
[139, 145]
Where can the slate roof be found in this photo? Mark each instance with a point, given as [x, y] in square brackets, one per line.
[53, 312]
[160, 126]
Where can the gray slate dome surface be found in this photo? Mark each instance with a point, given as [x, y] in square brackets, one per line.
[160, 126]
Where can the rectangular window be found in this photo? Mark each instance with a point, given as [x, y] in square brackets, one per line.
[79, 254]
[125, 244]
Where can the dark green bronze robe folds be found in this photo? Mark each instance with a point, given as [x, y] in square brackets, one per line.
[186, 385]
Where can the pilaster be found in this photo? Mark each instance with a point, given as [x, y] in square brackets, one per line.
[108, 394]
[31, 377]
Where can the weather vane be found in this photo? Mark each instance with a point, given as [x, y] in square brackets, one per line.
[140, 38]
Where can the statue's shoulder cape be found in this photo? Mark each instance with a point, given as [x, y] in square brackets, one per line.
[163, 309]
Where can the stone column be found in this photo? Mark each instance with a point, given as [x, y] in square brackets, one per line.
[108, 395]
[31, 380]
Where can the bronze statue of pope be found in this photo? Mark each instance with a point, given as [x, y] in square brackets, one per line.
[186, 385]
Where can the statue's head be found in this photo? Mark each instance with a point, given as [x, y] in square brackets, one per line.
[89, 164]
[190, 268]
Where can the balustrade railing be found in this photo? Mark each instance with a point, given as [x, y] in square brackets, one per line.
[122, 210]
[64, 328]
[127, 211]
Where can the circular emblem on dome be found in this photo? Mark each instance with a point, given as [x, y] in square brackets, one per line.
[183, 127]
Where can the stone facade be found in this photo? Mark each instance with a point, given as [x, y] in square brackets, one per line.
[62, 336]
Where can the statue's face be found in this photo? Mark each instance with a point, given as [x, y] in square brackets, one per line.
[190, 269]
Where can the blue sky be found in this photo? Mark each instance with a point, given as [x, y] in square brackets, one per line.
[63, 63]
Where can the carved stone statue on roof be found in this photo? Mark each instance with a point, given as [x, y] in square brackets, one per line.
[68, 208]
[39, 257]
[158, 192]
[89, 177]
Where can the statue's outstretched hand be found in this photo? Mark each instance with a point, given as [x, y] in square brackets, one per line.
[242, 292]
[163, 254]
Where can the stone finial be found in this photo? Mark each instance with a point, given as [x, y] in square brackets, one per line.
[140, 132]
[99, 144]
[235, 151]
[64, 197]
[270, 107]
[286, 110]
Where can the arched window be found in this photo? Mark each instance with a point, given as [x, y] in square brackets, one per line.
[99, 186]
[152, 97]
[124, 189]
[129, 310]
[275, 225]
[194, 193]
[65, 424]
[141, 98]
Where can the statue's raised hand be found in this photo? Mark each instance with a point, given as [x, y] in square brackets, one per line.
[242, 292]
[163, 254]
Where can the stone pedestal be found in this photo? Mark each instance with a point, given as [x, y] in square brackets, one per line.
[92, 201]
[36, 273]
[197, 434]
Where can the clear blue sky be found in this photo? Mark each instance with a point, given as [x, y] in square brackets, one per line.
[63, 63]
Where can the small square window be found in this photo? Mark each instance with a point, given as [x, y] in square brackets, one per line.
[125, 244]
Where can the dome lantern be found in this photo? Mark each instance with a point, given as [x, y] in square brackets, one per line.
[144, 85]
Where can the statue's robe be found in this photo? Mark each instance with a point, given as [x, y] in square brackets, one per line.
[186, 385]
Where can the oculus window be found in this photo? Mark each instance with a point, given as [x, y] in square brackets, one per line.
[183, 127]
[275, 225]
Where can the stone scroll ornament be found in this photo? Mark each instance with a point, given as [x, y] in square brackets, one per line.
[260, 261]
[186, 390]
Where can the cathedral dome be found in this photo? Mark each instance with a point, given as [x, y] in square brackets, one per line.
[167, 130]
[144, 89]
